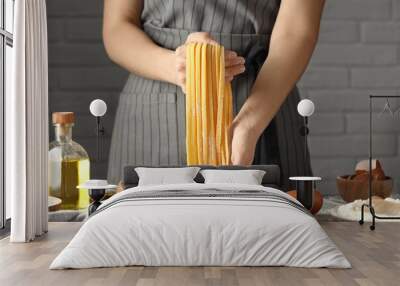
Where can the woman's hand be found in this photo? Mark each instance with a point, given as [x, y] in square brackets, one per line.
[243, 144]
[234, 64]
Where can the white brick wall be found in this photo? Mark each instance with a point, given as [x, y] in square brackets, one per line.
[358, 54]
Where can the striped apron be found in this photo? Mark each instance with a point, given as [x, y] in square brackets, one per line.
[150, 121]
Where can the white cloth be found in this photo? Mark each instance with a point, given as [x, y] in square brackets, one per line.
[187, 231]
[27, 123]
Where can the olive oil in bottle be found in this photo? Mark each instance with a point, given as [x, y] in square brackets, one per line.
[69, 165]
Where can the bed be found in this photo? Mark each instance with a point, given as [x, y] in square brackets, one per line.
[198, 224]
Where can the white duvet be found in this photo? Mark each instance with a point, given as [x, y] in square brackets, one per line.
[200, 231]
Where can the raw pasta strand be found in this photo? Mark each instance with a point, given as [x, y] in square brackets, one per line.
[220, 100]
[208, 105]
[204, 99]
[191, 110]
[189, 133]
[194, 109]
[198, 117]
[228, 119]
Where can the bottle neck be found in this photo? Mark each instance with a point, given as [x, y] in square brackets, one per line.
[63, 132]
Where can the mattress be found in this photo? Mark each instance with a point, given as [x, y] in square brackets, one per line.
[201, 225]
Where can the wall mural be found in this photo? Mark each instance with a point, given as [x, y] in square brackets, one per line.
[145, 120]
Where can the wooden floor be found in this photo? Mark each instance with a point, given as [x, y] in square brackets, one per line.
[375, 257]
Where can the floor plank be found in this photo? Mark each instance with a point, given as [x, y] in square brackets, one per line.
[375, 257]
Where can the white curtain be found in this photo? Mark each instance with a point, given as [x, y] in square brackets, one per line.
[27, 123]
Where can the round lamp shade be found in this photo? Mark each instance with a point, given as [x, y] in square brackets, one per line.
[98, 107]
[305, 108]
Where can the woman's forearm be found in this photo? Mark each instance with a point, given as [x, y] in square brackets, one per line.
[129, 46]
[275, 80]
[290, 50]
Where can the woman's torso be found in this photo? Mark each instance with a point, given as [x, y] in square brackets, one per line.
[150, 122]
[243, 26]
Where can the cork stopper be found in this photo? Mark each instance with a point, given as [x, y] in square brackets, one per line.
[63, 118]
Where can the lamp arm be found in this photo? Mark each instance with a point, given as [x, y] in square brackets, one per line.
[100, 131]
[304, 131]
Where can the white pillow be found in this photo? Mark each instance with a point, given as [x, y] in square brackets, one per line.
[248, 177]
[165, 176]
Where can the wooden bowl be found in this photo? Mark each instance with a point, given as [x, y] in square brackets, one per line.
[353, 189]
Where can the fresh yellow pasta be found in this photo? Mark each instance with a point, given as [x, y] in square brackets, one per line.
[208, 105]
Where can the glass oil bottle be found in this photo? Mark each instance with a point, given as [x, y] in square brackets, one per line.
[69, 165]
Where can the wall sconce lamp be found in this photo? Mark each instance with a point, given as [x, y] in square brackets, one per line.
[98, 109]
[306, 185]
[305, 108]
